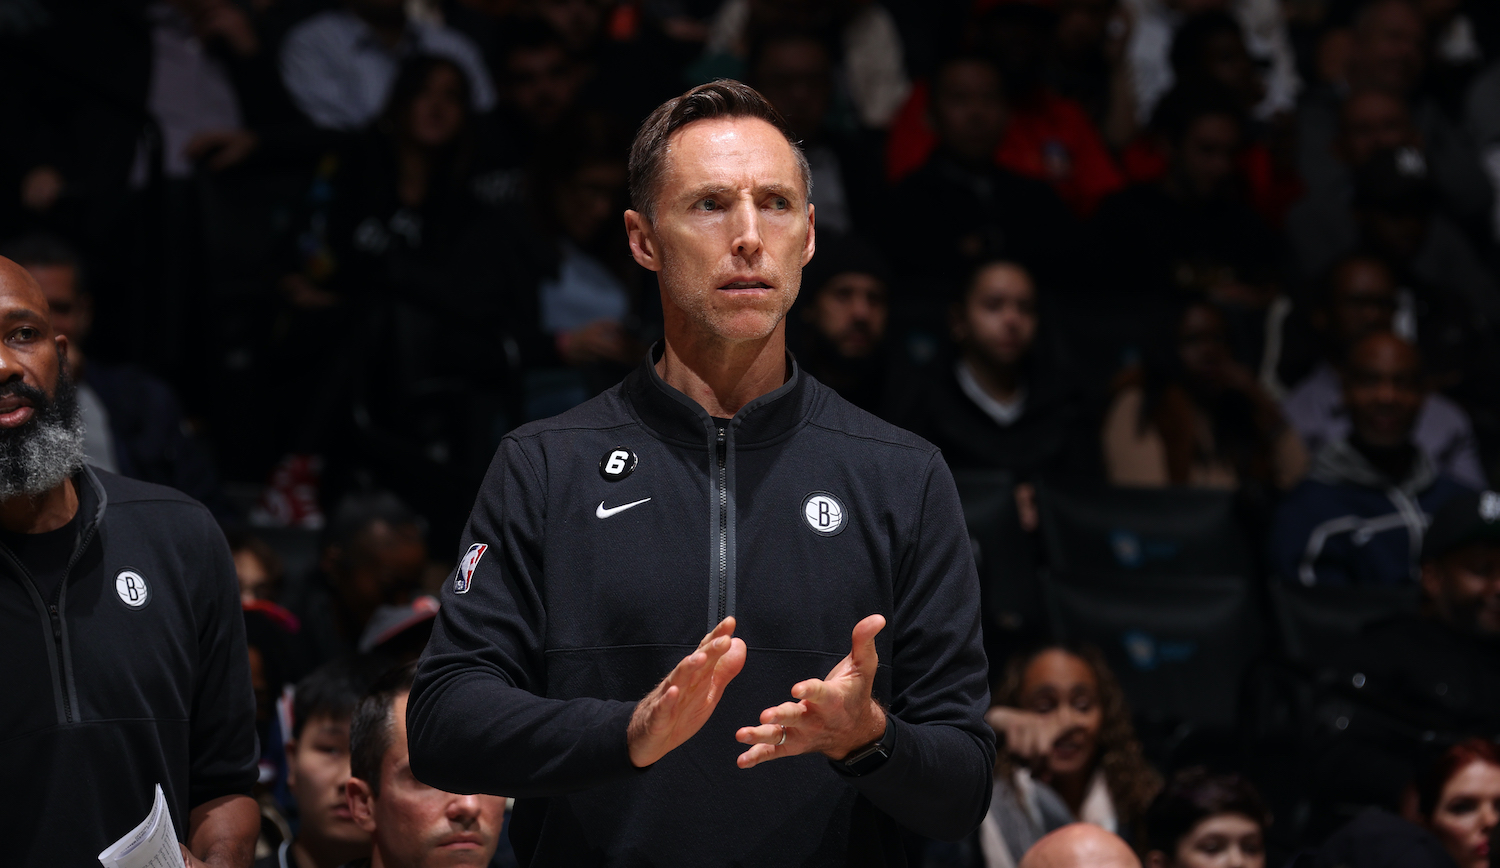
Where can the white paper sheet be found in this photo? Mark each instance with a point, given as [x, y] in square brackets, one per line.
[152, 844]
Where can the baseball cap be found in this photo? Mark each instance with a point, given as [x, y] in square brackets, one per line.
[389, 622]
[1470, 517]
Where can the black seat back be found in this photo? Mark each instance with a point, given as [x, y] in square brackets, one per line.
[1314, 623]
[1174, 531]
[1003, 553]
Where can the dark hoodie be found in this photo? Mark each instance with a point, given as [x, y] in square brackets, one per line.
[1350, 524]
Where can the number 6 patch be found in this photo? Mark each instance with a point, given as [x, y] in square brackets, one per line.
[617, 464]
[465, 575]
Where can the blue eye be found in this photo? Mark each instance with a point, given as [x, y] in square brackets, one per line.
[708, 205]
[781, 204]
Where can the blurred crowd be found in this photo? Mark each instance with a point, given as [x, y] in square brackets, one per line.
[1131, 265]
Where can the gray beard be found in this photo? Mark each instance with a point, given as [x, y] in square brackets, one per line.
[38, 456]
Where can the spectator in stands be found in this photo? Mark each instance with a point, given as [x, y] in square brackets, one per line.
[1359, 298]
[1482, 123]
[1068, 753]
[1204, 820]
[1458, 801]
[258, 566]
[1192, 415]
[1191, 230]
[1091, 68]
[794, 70]
[1359, 517]
[317, 754]
[1388, 52]
[133, 421]
[840, 335]
[973, 210]
[1008, 402]
[1155, 69]
[1430, 678]
[1080, 845]
[340, 65]
[373, 555]
[411, 825]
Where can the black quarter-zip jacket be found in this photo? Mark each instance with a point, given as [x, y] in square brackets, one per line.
[799, 517]
[135, 673]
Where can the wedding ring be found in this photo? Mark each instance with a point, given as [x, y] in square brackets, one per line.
[783, 736]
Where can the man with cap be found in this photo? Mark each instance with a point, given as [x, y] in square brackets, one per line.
[1416, 684]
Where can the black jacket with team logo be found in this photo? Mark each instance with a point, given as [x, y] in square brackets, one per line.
[104, 700]
[576, 608]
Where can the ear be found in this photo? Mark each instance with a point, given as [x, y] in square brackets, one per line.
[812, 235]
[644, 248]
[62, 346]
[361, 804]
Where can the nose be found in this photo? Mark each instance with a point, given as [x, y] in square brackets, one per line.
[463, 810]
[747, 240]
[1235, 857]
[1489, 816]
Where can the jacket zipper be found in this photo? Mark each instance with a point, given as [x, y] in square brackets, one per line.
[722, 451]
[62, 667]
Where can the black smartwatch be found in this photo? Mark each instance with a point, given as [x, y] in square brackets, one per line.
[862, 761]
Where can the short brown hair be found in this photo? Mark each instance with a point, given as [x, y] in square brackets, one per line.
[723, 98]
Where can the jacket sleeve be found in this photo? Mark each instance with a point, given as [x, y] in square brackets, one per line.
[478, 720]
[937, 781]
[223, 748]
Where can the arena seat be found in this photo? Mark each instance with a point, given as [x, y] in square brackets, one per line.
[1313, 623]
[1005, 556]
[1175, 531]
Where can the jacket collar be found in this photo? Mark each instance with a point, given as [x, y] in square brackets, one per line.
[1338, 462]
[675, 417]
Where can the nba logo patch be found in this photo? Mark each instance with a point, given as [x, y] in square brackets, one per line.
[465, 575]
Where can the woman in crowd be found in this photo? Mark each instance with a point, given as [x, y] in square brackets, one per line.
[1068, 753]
[1203, 820]
[1193, 415]
[1458, 801]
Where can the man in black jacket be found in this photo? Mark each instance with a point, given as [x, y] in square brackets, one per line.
[586, 575]
[121, 629]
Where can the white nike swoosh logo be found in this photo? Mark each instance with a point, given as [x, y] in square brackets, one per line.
[606, 513]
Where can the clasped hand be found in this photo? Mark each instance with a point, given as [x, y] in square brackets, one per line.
[833, 715]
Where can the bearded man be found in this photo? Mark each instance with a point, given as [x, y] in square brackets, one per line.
[121, 630]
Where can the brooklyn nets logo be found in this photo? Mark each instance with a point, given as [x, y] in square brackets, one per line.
[824, 513]
[131, 586]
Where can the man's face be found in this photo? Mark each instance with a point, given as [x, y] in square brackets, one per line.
[968, 110]
[439, 112]
[1464, 585]
[1388, 47]
[1082, 26]
[317, 773]
[732, 231]
[998, 318]
[1205, 156]
[69, 310]
[1362, 301]
[416, 826]
[795, 75]
[382, 565]
[541, 83]
[30, 348]
[1374, 121]
[1383, 390]
[1227, 61]
[850, 311]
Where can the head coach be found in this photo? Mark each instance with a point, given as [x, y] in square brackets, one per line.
[837, 697]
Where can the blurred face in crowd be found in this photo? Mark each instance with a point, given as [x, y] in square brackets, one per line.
[996, 325]
[383, 564]
[1396, 232]
[1373, 121]
[415, 826]
[1361, 301]
[1225, 60]
[796, 76]
[255, 580]
[1203, 348]
[968, 111]
[1083, 25]
[1383, 390]
[1388, 46]
[850, 311]
[542, 83]
[1061, 685]
[317, 774]
[71, 311]
[1219, 841]
[732, 230]
[439, 112]
[1464, 587]
[1467, 813]
[1203, 160]
[587, 202]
